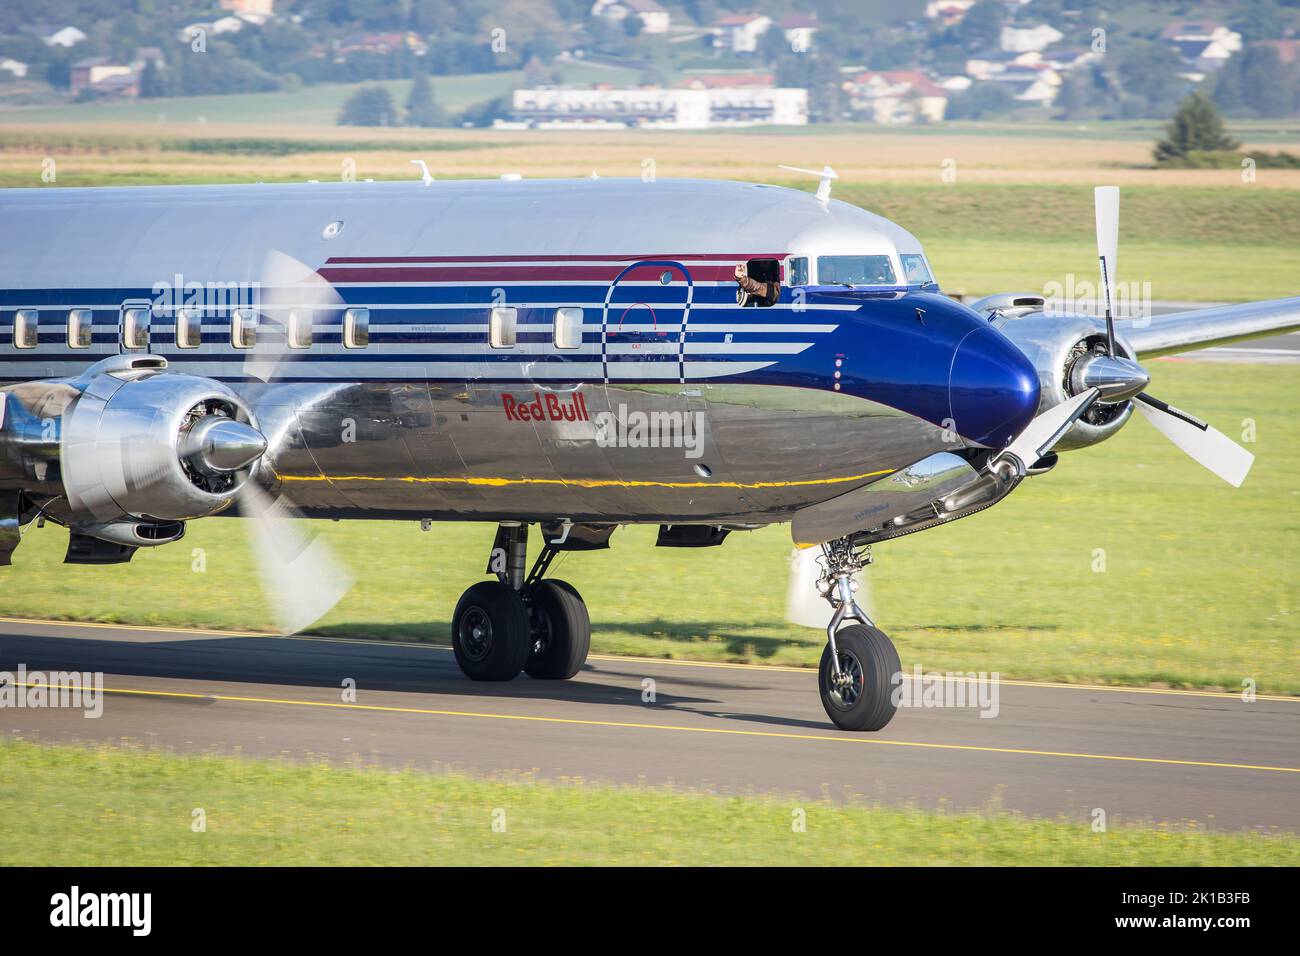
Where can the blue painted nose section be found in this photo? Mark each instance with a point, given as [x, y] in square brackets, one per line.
[992, 389]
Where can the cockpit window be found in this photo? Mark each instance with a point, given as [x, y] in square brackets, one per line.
[915, 269]
[855, 270]
[799, 270]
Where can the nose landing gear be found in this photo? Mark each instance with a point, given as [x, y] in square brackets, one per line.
[859, 667]
[532, 624]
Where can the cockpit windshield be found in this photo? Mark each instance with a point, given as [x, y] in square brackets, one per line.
[855, 270]
[915, 269]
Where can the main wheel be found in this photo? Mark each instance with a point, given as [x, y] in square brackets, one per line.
[489, 632]
[862, 698]
[561, 631]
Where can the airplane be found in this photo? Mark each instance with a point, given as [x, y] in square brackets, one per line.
[573, 354]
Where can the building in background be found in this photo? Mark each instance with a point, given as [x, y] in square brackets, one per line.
[896, 97]
[700, 105]
[654, 18]
[799, 30]
[739, 32]
[1205, 44]
[264, 9]
[101, 76]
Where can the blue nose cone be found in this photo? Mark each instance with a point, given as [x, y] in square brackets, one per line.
[992, 389]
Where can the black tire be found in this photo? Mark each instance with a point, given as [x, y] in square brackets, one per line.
[489, 632]
[871, 661]
[561, 631]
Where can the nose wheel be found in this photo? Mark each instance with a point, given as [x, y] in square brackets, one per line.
[859, 667]
[860, 695]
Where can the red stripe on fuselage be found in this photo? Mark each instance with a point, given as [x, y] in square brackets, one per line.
[713, 256]
[506, 274]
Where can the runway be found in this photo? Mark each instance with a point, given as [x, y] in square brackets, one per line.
[1052, 750]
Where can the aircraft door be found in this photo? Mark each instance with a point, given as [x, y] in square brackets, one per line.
[643, 325]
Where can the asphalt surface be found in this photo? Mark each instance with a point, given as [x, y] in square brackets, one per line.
[1275, 350]
[1141, 755]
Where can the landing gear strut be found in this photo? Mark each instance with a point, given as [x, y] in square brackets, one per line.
[520, 622]
[858, 667]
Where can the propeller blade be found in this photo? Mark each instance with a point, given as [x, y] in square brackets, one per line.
[299, 575]
[1046, 429]
[1203, 444]
[289, 292]
[804, 604]
[1106, 199]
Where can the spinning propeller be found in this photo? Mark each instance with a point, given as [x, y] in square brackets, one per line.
[299, 575]
[1202, 443]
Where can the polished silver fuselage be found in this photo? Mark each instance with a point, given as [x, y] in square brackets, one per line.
[425, 421]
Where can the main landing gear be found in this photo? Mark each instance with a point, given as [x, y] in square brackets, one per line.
[520, 623]
[859, 667]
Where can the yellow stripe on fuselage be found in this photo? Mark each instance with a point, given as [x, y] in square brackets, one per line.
[590, 482]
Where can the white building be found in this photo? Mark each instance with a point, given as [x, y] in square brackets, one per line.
[1205, 43]
[948, 12]
[739, 32]
[799, 30]
[655, 108]
[897, 97]
[654, 18]
[64, 37]
[16, 67]
[1025, 39]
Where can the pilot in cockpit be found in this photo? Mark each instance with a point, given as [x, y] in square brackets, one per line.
[760, 286]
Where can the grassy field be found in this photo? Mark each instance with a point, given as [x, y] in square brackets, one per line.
[275, 813]
[1199, 589]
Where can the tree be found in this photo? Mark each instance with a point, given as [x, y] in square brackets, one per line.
[820, 75]
[1196, 126]
[981, 28]
[1255, 82]
[980, 100]
[1148, 75]
[151, 81]
[368, 106]
[422, 108]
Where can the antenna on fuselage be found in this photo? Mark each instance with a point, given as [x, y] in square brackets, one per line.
[426, 177]
[824, 187]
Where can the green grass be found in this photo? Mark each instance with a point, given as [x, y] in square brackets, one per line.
[1244, 242]
[1199, 589]
[140, 812]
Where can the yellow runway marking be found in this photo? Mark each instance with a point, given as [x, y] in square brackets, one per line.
[620, 659]
[630, 725]
[588, 482]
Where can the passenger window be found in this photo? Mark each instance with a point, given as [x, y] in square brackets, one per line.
[501, 328]
[80, 328]
[356, 328]
[25, 326]
[568, 328]
[799, 270]
[135, 328]
[243, 328]
[189, 328]
[299, 332]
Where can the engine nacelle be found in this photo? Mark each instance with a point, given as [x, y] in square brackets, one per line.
[129, 440]
[1058, 345]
